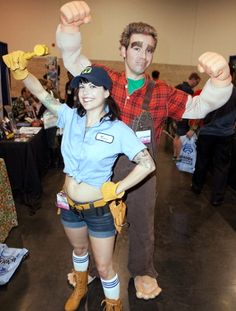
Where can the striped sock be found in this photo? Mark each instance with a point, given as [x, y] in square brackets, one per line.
[80, 262]
[111, 287]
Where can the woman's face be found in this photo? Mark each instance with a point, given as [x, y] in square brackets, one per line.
[92, 97]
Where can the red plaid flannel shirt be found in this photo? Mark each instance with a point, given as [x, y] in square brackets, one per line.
[166, 101]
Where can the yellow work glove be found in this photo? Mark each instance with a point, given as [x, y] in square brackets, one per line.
[118, 211]
[108, 190]
[17, 62]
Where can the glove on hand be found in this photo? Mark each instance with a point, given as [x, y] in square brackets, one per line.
[17, 62]
[108, 190]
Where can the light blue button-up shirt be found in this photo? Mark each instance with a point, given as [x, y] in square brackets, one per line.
[89, 155]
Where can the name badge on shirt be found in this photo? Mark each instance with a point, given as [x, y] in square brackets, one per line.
[144, 136]
[105, 137]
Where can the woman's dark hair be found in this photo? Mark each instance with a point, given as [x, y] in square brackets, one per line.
[113, 109]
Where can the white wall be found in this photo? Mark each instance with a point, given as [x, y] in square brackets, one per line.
[186, 28]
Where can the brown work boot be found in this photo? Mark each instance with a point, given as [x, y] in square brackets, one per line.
[112, 305]
[79, 292]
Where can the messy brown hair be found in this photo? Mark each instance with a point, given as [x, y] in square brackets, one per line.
[137, 28]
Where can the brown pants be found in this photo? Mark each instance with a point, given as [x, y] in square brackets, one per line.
[141, 202]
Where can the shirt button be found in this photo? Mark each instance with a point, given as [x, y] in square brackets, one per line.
[127, 97]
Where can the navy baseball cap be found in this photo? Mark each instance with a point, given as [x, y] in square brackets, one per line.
[96, 75]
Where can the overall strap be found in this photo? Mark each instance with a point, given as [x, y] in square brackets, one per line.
[148, 95]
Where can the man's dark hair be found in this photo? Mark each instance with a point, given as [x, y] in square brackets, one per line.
[23, 90]
[194, 76]
[155, 74]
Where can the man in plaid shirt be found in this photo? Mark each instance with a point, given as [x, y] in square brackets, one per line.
[138, 43]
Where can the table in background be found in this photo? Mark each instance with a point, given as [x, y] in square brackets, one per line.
[26, 163]
[8, 217]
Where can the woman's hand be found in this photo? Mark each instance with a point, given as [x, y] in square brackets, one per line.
[17, 63]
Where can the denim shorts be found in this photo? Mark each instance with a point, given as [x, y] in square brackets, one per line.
[99, 226]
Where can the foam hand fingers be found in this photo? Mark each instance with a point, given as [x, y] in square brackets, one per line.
[75, 13]
[214, 65]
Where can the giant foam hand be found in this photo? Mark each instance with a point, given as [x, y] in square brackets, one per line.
[216, 67]
[17, 61]
[74, 14]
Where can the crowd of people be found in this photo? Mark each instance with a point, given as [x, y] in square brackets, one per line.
[109, 147]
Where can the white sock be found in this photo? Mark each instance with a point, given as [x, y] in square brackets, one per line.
[111, 288]
[80, 262]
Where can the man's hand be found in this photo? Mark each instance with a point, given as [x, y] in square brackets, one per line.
[17, 62]
[216, 67]
[74, 14]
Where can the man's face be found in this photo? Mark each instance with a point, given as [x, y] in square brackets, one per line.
[26, 94]
[194, 82]
[138, 56]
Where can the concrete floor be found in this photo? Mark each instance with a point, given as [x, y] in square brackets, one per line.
[194, 254]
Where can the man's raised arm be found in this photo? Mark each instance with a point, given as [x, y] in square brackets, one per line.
[72, 16]
[217, 89]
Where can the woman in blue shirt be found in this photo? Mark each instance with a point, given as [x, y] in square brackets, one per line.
[93, 138]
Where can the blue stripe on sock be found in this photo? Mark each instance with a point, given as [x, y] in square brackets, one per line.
[110, 284]
[80, 260]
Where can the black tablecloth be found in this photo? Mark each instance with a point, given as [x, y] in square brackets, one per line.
[26, 163]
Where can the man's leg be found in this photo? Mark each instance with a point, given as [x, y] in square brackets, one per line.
[141, 201]
[204, 156]
[221, 165]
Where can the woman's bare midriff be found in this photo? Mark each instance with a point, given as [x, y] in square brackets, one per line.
[81, 192]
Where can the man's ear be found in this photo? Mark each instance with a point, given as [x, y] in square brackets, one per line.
[123, 52]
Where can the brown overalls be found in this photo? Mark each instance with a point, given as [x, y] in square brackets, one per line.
[141, 201]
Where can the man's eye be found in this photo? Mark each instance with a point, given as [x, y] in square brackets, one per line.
[150, 51]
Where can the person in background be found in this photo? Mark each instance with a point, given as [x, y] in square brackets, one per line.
[214, 147]
[155, 75]
[189, 85]
[69, 91]
[144, 107]
[183, 127]
[22, 106]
